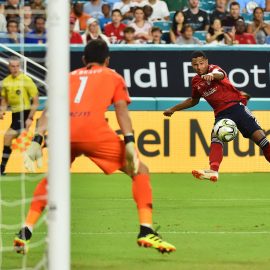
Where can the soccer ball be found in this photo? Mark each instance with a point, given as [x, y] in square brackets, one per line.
[226, 130]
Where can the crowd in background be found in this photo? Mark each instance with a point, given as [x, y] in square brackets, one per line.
[142, 22]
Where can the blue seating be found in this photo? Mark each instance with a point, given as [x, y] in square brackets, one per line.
[208, 6]
[247, 16]
[201, 35]
[163, 25]
[172, 15]
[267, 16]
[166, 37]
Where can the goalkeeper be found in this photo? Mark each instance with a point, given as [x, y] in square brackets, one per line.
[92, 90]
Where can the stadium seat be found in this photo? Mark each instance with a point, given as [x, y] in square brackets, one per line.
[267, 16]
[163, 25]
[201, 35]
[208, 6]
[172, 15]
[247, 16]
[166, 37]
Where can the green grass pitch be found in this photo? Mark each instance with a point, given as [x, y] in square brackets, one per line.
[214, 226]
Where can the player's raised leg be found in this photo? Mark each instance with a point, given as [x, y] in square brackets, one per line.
[215, 159]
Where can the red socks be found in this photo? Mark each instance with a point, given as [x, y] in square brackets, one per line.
[215, 156]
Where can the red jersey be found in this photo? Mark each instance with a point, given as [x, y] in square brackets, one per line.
[219, 94]
[245, 38]
[75, 38]
[92, 91]
[111, 31]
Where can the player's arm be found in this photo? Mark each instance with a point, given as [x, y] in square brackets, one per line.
[34, 152]
[188, 103]
[3, 107]
[214, 75]
[124, 121]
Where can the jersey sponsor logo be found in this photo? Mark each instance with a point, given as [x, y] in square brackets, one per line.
[80, 114]
[200, 19]
[209, 92]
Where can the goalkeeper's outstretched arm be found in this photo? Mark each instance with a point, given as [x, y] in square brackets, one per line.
[42, 124]
[34, 152]
[124, 121]
[188, 103]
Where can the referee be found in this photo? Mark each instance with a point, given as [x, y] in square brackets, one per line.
[20, 93]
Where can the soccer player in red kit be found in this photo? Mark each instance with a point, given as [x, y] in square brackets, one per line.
[212, 83]
[93, 89]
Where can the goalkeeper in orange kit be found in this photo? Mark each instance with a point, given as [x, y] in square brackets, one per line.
[92, 90]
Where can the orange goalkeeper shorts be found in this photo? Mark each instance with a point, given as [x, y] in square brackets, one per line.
[109, 156]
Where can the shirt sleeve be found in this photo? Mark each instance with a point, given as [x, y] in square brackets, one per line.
[165, 10]
[121, 92]
[31, 88]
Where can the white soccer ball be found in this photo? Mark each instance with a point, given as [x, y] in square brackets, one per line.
[226, 130]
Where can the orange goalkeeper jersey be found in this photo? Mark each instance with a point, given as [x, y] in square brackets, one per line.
[92, 91]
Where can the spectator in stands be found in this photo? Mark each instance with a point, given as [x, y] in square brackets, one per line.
[141, 26]
[81, 16]
[220, 11]
[234, 15]
[38, 35]
[258, 27]
[267, 40]
[27, 23]
[241, 36]
[74, 37]
[247, 6]
[177, 26]
[125, 7]
[38, 8]
[156, 33]
[196, 17]
[12, 35]
[216, 34]
[94, 8]
[187, 36]
[3, 21]
[106, 17]
[93, 32]
[267, 6]
[138, 3]
[160, 10]
[115, 30]
[147, 10]
[129, 36]
[12, 13]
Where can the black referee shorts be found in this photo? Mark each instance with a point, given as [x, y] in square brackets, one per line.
[243, 118]
[18, 120]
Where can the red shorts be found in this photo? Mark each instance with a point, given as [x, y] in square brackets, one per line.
[109, 156]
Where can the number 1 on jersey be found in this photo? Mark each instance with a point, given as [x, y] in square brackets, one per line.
[81, 89]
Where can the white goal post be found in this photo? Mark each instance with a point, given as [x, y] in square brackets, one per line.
[58, 128]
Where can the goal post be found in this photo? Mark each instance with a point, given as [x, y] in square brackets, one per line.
[58, 128]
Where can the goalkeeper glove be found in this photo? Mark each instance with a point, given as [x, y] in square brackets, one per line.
[132, 159]
[33, 154]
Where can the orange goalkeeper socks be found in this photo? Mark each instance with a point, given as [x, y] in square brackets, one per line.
[142, 194]
[38, 203]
